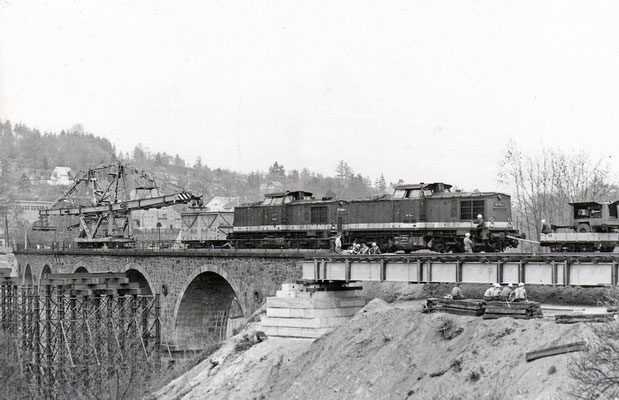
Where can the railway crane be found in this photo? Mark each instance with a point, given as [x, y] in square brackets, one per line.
[103, 199]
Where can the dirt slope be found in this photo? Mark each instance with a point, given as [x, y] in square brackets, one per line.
[391, 351]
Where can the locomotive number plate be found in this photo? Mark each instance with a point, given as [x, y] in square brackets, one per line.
[499, 204]
[341, 209]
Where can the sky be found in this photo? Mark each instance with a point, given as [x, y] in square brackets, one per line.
[417, 90]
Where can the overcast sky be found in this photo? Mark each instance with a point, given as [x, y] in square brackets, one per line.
[418, 90]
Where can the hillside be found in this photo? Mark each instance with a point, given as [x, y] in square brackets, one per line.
[391, 351]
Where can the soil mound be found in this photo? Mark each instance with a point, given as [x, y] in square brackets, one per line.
[391, 351]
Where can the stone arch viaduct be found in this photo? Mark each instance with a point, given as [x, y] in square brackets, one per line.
[203, 296]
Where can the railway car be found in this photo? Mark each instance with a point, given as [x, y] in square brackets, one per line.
[204, 228]
[418, 216]
[594, 226]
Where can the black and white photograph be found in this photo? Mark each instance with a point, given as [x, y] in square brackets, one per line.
[291, 200]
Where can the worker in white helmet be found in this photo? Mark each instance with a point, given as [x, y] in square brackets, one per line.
[479, 225]
[507, 291]
[374, 249]
[468, 243]
[519, 294]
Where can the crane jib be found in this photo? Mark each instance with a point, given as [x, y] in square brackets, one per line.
[125, 206]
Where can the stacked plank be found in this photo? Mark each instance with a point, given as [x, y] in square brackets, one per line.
[575, 318]
[91, 284]
[462, 307]
[5, 278]
[518, 310]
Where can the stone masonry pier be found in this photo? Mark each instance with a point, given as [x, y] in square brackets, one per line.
[204, 295]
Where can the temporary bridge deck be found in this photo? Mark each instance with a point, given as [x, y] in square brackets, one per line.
[559, 269]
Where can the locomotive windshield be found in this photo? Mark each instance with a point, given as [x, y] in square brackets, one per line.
[418, 191]
[411, 193]
[277, 199]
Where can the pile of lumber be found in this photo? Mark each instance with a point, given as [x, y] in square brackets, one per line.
[518, 310]
[575, 318]
[91, 284]
[461, 307]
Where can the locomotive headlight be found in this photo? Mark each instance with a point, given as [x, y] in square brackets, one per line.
[491, 224]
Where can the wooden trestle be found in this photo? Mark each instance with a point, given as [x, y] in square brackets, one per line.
[78, 330]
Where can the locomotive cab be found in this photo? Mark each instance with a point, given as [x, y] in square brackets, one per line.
[418, 191]
[278, 199]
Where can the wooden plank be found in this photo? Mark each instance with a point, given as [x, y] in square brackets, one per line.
[514, 316]
[556, 350]
[506, 311]
[573, 319]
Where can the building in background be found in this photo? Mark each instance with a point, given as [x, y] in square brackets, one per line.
[223, 203]
[28, 210]
[61, 176]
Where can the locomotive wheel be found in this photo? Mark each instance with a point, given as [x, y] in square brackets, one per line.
[439, 247]
[583, 228]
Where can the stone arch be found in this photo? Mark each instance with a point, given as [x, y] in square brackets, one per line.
[203, 308]
[44, 271]
[136, 276]
[28, 279]
[80, 270]
[136, 273]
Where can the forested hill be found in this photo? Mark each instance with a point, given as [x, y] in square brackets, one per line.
[28, 156]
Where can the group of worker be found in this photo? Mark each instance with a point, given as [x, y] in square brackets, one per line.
[356, 248]
[496, 292]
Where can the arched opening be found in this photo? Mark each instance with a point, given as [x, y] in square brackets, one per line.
[28, 281]
[44, 272]
[136, 276]
[204, 311]
[81, 270]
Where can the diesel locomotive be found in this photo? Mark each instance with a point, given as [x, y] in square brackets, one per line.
[418, 216]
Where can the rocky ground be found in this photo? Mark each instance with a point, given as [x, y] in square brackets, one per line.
[389, 351]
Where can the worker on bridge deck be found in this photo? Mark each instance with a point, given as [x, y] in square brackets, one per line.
[374, 249]
[468, 243]
[338, 243]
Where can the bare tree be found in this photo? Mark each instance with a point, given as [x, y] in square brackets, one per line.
[596, 372]
[543, 184]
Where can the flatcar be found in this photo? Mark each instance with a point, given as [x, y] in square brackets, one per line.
[594, 226]
[418, 216]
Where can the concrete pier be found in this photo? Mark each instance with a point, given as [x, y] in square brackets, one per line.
[296, 312]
